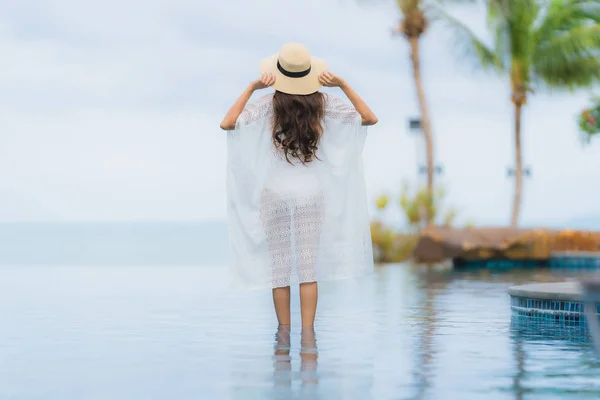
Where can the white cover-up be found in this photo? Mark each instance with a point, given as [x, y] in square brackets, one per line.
[297, 223]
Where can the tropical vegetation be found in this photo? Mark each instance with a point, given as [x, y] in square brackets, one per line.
[418, 209]
[589, 121]
[536, 44]
[412, 26]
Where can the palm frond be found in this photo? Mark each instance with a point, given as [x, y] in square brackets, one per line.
[568, 23]
[469, 44]
[498, 9]
[406, 6]
[560, 15]
[518, 26]
[443, 2]
[510, 11]
[581, 40]
[579, 10]
[567, 44]
[565, 72]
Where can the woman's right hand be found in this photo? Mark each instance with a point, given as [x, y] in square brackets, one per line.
[330, 80]
[263, 82]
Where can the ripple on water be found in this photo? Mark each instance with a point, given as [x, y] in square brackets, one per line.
[177, 332]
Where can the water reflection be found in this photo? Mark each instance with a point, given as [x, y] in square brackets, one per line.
[550, 356]
[519, 369]
[404, 333]
[561, 365]
[432, 281]
[308, 363]
[425, 348]
[282, 363]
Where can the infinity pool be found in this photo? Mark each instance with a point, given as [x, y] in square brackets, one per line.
[178, 333]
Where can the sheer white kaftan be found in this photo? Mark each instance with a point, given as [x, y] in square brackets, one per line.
[297, 223]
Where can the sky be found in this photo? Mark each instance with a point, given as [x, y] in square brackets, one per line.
[110, 110]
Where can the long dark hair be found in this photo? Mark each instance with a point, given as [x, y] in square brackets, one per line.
[297, 124]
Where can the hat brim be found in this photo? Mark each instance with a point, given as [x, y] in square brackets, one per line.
[308, 84]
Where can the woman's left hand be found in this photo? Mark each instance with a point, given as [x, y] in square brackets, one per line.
[330, 80]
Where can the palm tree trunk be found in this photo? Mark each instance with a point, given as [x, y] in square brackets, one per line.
[425, 122]
[518, 168]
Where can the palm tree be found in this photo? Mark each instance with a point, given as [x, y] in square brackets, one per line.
[413, 25]
[552, 44]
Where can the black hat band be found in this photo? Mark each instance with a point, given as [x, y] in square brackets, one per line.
[289, 74]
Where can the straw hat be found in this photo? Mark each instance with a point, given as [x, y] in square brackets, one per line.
[296, 72]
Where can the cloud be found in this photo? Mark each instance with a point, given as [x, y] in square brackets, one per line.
[112, 165]
[110, 110]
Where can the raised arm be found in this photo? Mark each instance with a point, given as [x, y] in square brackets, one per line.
[331, 80]
[228, 123]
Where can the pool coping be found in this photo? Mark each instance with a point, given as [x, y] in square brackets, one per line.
[560, 291]
[575, 254]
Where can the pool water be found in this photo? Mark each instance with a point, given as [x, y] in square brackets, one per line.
[160, 332]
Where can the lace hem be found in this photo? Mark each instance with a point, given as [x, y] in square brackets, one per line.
[354, 271]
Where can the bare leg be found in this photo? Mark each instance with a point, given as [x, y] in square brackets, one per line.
[276, 217]
[281, 300]
[307, 221]
[309, 294]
